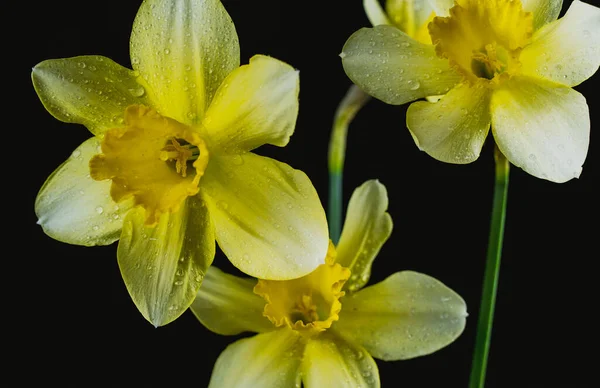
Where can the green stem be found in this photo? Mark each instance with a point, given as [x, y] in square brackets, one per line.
[492, 272]
[352, 102]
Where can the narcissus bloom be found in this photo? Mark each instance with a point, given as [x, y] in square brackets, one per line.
[507, 63]
[169, 168]
[322, 329]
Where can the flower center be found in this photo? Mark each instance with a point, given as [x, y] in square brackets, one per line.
[483, 39]
[309, 304]
[155, 159]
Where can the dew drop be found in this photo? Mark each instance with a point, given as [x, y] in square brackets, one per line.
[415, 85]
[95, 227]
[137, 92]
[99, 210]
[76, 153]
[178, 283]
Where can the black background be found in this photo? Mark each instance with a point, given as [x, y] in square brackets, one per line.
[75, 324]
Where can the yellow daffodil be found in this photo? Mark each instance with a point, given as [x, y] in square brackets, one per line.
[169, 170]
[508, 63]
[322, 330]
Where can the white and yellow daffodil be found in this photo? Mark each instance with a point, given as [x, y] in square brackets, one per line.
[169, 168]
[311, 331]
[508, 63]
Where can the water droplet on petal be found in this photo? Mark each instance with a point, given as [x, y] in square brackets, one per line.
[99, 210]
[137, 92]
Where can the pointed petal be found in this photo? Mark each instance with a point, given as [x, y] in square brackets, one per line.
[183, 50]
[265, 360]
[391, 66]
[89, 90]
[163, 266]
[256, 104]
[268, 218]
[544, 11]
[375, 12]
[542, 127]
[407, 315]
[73, 208]
[227, 304]
[568, 50]
[453, 129]
[366, 229]
[330, 361]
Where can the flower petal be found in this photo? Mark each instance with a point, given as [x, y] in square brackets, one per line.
[568, 50]
[453, 129]
[542, 127]
[256, 104]
[407, 315]
[227, 305]
[89, 90]
[412, 17]
[391, 66]
[184, 50]
[268, 218]
[544, 11]
[441, 7]
[366, 229]
[73, 208]
[163, 266]
[330, 361]
[375, 12]
[265, 360]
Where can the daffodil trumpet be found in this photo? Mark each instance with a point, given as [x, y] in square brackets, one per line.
[170, 168]
[324, 329]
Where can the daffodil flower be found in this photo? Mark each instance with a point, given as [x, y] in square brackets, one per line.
[508, 63]
[169, 168]
[322, 329]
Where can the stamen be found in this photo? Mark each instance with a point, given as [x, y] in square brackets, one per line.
[305, 309]
[181, 154]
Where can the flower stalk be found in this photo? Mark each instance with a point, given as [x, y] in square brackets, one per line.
[352, 102]
[492, 273]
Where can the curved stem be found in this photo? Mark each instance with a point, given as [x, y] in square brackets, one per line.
[352, 102]
[492, 273]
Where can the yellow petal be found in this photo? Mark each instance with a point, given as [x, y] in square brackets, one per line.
[391, 66]
[226, 304]
[544, 11]
[88, 90]
[412, 17]
[256, 104]
[441, 7]
[268, 217]
[74, 208]
[183, 50]
[542, 127]
[265, 360]
[375, 12]
[366, 229]
[566, 51]
[163, 266]
[332, 362]
[453, 129]
[407, 315]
